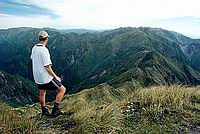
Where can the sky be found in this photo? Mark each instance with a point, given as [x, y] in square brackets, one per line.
[182, 16]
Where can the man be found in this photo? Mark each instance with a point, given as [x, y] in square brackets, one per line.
[44, 76]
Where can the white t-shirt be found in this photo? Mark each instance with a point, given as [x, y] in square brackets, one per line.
[40, 57]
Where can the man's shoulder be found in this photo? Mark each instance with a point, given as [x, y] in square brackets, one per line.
[37, 46]
[33, 48]
[45, 49]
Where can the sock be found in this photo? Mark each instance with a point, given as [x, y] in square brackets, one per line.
[43, 107]
[56, 104]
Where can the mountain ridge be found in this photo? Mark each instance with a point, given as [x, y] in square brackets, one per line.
[85, 60]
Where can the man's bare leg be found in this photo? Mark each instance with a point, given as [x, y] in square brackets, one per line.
[42, 94]
[56, 110]
[61, 91]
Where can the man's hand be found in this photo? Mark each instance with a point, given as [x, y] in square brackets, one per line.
[50, 71]
[58, 78]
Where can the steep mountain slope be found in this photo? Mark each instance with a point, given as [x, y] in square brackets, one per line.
[147, 55]
[130, 49]
[16, 90]
[192, 51]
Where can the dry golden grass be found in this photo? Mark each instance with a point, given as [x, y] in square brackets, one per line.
[103, 109]
[12, 121]
[174, 96]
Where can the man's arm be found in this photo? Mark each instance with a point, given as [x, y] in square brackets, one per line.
[51, 72]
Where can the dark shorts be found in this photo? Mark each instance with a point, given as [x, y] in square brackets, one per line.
[52, 85]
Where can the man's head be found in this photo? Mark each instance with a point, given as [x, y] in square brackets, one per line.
[43, 37]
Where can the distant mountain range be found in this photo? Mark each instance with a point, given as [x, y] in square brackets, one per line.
[78, 31]
[85, 58]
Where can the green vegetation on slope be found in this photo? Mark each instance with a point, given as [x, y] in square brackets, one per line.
[86, 60]
[16, 90]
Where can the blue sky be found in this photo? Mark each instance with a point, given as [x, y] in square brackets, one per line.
[177, 15]
[25, 9]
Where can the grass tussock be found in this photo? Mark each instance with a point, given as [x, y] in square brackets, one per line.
[162, 109]
[12, 121]
[97, 110]
[174, 97]
[103, 120]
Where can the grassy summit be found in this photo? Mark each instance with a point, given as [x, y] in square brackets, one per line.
[104, 109]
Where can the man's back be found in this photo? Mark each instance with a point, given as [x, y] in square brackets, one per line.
[40, 57]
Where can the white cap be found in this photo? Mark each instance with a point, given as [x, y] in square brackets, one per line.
[43, 34]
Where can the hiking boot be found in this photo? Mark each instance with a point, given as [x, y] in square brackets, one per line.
[45, 112]
[56, 112]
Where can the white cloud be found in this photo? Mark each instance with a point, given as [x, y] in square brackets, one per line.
[17, 21]
[129, 10]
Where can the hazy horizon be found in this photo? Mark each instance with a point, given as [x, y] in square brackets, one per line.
[182, 16]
